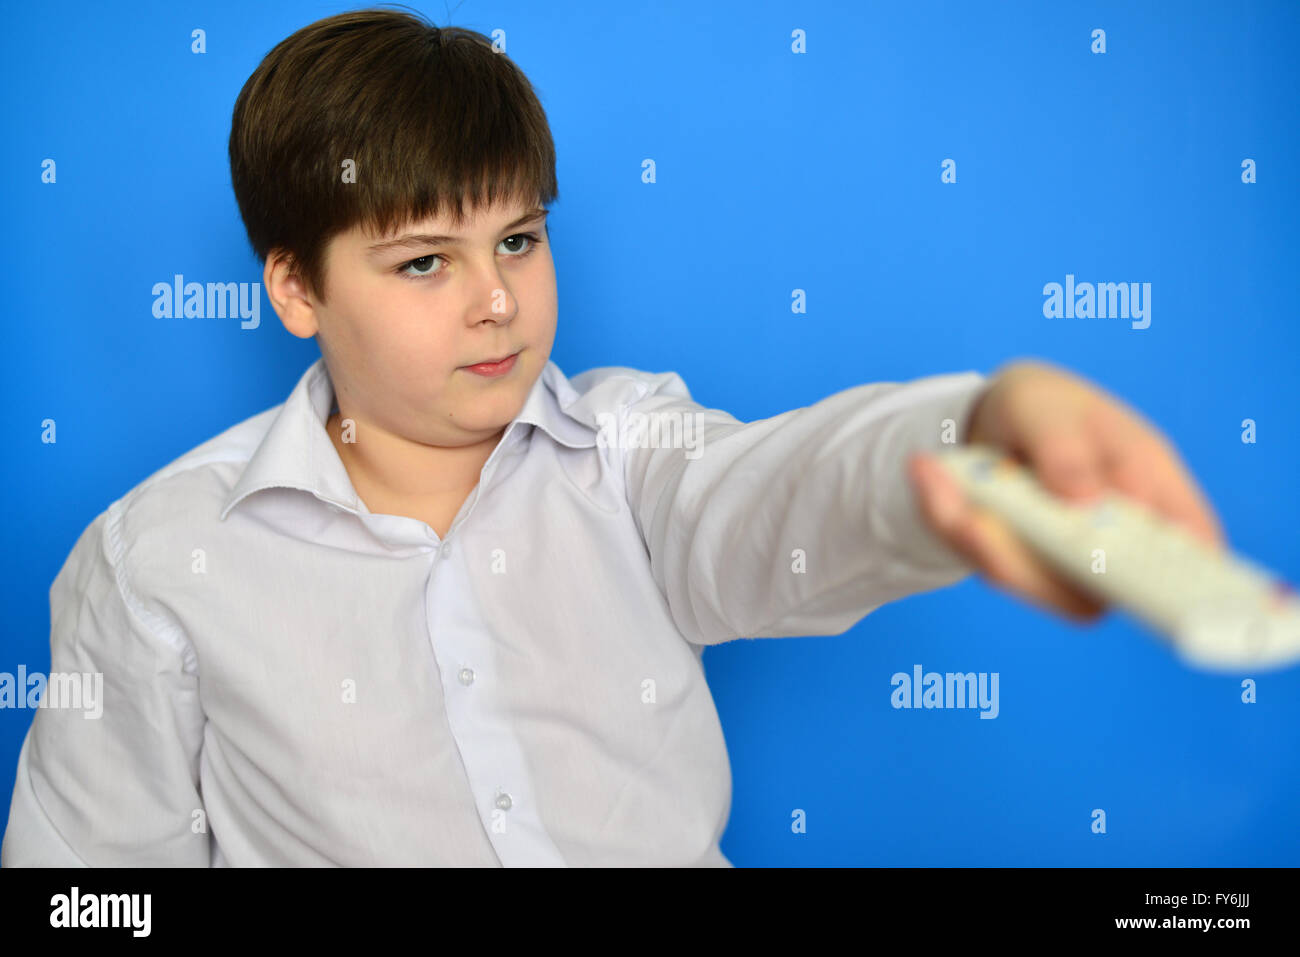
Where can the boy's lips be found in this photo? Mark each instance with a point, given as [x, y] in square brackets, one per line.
[493, 367]
[488, 362]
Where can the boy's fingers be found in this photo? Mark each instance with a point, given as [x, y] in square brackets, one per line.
[1155, 476]
[1067, 463]
[989, 545]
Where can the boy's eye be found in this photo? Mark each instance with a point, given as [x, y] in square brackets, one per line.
[424, 266]
[419, 265]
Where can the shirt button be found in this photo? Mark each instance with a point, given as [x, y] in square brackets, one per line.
[445, 551]
[466, 676]
[503, 801]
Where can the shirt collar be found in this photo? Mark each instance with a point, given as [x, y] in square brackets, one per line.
[297, 452]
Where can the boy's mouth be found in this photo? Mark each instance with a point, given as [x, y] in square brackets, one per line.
[493, 367]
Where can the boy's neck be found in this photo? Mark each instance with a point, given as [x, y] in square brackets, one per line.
[388, 468]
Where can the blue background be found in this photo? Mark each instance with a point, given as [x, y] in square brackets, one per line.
[776, 171]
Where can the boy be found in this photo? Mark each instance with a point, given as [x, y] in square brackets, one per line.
[446, 606]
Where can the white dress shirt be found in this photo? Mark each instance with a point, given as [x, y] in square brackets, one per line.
[292, 680]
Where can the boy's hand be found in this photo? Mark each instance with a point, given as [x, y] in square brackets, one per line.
[1079, 441]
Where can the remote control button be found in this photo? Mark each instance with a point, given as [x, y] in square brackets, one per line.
[1104, 515]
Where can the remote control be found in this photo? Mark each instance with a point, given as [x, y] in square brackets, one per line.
[1220, 611]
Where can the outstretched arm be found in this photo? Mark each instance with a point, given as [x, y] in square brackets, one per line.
[799, 524]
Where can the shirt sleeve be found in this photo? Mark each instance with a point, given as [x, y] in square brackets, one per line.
[120, 789]
[799, 524]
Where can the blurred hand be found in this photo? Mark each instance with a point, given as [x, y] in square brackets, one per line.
[1079, 441]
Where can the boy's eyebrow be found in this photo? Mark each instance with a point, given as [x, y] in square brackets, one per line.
[413, 240]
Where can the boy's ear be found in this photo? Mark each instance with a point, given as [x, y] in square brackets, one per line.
[288, 296]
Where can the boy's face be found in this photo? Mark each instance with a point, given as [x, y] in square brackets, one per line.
[407, 316]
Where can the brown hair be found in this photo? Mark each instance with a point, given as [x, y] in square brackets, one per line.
[434, 119]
